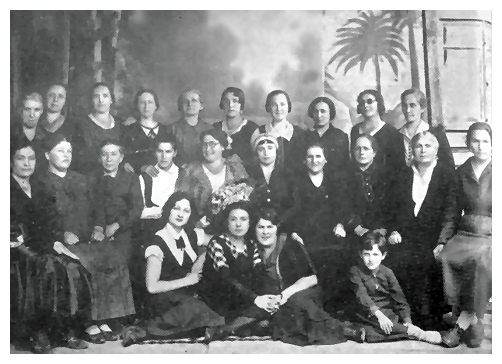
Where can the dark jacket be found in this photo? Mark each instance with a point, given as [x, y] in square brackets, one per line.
[241, 142]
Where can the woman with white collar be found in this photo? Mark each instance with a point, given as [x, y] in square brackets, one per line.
[237, 128]
[289, 136]
[174, 260]
[98, 126]
[370, 105]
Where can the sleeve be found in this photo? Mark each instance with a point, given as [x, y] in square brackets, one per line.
[396, 157]
[135, 200]
[363, 300]
[305, 267]
[215, 253]
[344, 150]
[97, 198]
[402, 307]
[450, 213]
[154, 250]
[444, 152]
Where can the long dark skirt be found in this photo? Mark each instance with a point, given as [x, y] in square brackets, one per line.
[302, 321]
[467, 265]
[107, 263]
[179, 311]
[46, 288]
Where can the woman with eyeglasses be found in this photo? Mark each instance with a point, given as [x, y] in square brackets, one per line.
[370, 105]
[214, 171]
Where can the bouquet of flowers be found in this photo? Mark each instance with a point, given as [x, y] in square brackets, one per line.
[229, 194]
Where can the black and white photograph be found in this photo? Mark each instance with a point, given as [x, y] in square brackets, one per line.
[250, 181]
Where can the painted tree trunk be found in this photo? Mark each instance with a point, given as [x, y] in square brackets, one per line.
[415, 77]
[65, 50]
[97, 64]
[376, 62]
[434, 46]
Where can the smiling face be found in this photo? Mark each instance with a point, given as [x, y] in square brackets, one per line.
[180, 213]
[372, 258]
[364, 154]
[238, 223]
[231, 105]
[480, 144]
[56, 99]
[315, 160]
[32, 110]
[321, 114]
[425, 150]
[411, 108]
[101, 100]
[111, 157]
[212, 150]
[165, 154]
[146, 105]
[23, 162]
[266, 233]
[279, 108]
[191, 104]
[369, 106]
[267, 153]
[60, 156]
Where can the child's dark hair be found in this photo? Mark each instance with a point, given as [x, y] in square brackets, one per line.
[372, 238]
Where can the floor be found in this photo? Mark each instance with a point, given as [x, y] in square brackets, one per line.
[274, 347]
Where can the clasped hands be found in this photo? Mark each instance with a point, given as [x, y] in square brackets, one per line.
[99, 234]
[269, 302]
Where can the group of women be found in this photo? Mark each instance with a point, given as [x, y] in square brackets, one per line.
[114, 220]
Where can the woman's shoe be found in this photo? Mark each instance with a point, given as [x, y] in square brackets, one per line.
[356, 334]
[95, 338]
[132, 335]
[215, 333]
[474, 335]
[75, 343]
[110, 335]
[40, 343]
[452, 337]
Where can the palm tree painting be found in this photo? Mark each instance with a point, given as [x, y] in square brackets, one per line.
[368, 37]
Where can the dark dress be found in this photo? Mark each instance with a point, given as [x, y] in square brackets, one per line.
[47, 289]
[231, 279]
[413, 260]
[391, 148]
[240, 141]
[139, 148]
[467, 257]
[276, 193]
[301, 320]
[315, 212]
[179, 310]
[188, 140]
[336, 147]
[87, 143]
[374, 291]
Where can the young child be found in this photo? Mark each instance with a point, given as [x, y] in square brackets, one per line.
[381, 307]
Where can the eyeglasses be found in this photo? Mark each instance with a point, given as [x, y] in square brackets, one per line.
[367, 101]
[211, 145]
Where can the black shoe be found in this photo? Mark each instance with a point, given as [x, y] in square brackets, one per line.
[110, 335]
[95, 338]
[356, 334]
[132, 335]
[40, 343]
[474, 335]
[215, 333]
[75, 343]
[451, 338]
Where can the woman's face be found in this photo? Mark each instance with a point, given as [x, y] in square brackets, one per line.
[23, 162]
[146, 105]
[165, 154]
[101, 100]
[315, 160]
[32, 110]
[212, 150]
[180, 213]
[279, 107]
[321, 114]
[267, 153]
[411, 108]
[231, 105]
[369, 106]
[266, 233]
[191, 104]
[364, 154]
[480, 145]
[238, 223]
[111, 157]
[425, 150]
[60, 156]
[56, 99]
